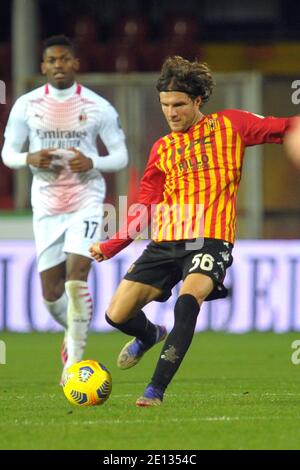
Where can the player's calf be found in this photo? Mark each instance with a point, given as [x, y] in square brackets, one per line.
[79, 316]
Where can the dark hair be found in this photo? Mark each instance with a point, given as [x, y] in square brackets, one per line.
[59, 40]
[192, 78]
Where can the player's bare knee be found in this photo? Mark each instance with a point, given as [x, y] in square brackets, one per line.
[110, 319]
[53, 291]
[51, 295]
[77, 268]
[117, 313]
[198, 295]
[197, 285]
[115, 318]
[111, 313]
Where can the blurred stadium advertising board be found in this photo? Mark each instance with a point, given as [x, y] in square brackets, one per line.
[263, 281]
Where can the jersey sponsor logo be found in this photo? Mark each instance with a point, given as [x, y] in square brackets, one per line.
[60, 134]
[193, 163]
[205, 141]
[189, 146]
[61, 138]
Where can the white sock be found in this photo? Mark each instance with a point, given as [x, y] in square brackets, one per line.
[79, 315]
[58, 309]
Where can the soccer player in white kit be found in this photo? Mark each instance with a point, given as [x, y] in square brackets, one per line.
[61, 122]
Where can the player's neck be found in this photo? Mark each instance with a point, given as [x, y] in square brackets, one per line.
[62, 94]
[199, 116]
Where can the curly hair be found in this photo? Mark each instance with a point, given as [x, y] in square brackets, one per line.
[193, 78]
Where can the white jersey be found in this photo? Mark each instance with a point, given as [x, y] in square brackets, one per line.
[60, 119]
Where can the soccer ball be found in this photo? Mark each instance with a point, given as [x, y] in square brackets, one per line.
[87, 383]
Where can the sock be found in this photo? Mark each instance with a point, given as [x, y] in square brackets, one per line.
[177, 343]
[139, 326]
[79, 315]
[58, 309]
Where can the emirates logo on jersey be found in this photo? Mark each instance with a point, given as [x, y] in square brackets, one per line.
[82, 117]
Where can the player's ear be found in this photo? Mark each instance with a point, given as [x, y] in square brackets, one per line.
[198, 101]
[76, 64]
[43, 68]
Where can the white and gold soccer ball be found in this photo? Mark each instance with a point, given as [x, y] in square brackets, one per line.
[87, 383]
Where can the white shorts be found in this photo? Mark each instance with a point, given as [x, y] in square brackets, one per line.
[74, 232]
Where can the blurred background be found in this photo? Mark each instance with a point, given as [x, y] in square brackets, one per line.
[253, 49]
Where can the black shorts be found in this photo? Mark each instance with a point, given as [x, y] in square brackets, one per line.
[164, 264]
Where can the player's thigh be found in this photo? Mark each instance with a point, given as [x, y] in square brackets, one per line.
[53, 282]
[77, 267]
[83, 229]
[197, 284]
[49, 240]
[129, 298]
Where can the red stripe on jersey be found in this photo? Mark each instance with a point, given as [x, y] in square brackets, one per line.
[196, 182]
[206, 174]
[233, 200]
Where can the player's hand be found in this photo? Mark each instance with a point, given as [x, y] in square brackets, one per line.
[41, 159]
[96, 252]
[79, 163]
[292, 142]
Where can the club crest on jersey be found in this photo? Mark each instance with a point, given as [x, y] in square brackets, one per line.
[82, 117]
[212, 124]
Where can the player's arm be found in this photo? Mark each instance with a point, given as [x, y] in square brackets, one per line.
[112, 135]
[151, 192]
[16, 135]
[292, 142]
[255, 129]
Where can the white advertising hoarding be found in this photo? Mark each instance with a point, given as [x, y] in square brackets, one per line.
[264, 286]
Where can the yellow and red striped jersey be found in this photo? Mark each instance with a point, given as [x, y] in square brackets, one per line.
[190, 183]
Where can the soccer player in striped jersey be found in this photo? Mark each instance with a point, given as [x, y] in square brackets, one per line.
[188, 193]
[61, 122]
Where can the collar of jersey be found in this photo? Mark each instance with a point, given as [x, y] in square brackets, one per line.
[61, 95]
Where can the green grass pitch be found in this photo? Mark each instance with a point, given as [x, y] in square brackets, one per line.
[232, 392]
